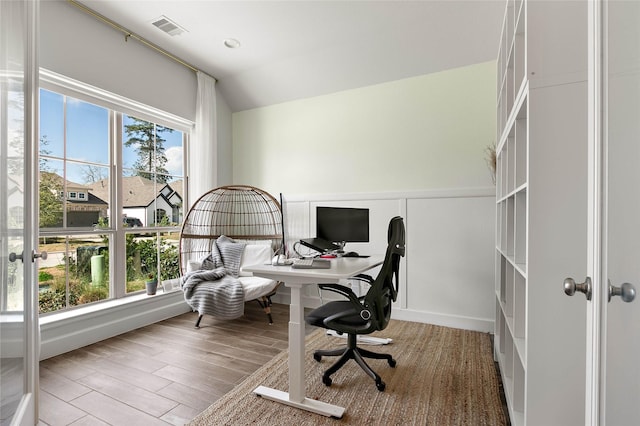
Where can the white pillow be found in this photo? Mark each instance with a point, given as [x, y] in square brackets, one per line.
[255, 254]
[193, 265]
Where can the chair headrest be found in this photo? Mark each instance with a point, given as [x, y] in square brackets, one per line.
[395, 235]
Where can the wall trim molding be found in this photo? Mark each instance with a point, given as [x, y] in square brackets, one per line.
[395, 195]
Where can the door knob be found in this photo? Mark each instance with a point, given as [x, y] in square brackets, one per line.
[570, 287]
[42, 255]
[626, 291]
[13, 257]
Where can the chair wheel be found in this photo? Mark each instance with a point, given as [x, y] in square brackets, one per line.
[392, 363]
[380, 385]
[327, 380]
[317, 357]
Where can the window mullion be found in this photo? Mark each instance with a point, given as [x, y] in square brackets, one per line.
[119, 280]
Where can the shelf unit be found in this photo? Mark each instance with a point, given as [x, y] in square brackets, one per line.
[511, 208]
[541, 128]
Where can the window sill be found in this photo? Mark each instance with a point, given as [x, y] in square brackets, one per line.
[65, 331]
[89, 309]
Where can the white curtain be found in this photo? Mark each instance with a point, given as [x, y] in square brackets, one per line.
[203, 152]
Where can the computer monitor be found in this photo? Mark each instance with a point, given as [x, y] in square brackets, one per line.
[342, 224]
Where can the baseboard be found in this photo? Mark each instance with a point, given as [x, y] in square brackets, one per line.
[453, 321]
[89, 325]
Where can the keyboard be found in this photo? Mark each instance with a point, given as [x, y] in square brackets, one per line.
[310, 263]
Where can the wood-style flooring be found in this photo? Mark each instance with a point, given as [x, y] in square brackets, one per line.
[165, 373]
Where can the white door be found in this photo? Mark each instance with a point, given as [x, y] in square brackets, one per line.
[620, 354]
[18, 292]
[613, 388]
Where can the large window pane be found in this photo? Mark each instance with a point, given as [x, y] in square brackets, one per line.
[174, 153]
[152, 172]
[144, 148]
[87, 133]
[153, 255]
[83, 206]
[75, 272]
[51, 124]
[51, 193]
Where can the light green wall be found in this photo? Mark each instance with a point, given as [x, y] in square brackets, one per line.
[426, 132]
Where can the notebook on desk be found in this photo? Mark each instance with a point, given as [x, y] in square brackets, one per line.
[311, 264]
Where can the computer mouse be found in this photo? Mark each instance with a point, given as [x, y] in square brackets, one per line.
[351, 254]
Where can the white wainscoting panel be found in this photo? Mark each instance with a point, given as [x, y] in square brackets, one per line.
[447, 276]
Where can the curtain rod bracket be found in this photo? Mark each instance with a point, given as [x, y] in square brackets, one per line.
[126, 37]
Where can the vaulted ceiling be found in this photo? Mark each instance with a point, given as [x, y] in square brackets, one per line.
[297, 49]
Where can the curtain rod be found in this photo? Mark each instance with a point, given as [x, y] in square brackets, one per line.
[128, 34]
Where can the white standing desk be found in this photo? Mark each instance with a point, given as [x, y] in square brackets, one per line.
[341, 268]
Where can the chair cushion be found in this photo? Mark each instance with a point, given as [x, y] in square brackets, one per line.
[318, 315]
[256, 287]
[253, 287]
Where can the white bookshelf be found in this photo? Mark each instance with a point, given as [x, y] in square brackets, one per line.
[541, 128]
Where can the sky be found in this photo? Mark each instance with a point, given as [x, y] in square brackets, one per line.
[87, 138]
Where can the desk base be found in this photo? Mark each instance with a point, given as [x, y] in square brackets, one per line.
[307, 404]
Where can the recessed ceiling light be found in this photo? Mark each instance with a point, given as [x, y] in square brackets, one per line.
[231, 43]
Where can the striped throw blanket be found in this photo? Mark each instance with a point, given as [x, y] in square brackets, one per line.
[215, 289]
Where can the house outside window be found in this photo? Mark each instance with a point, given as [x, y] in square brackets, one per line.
[81, 135]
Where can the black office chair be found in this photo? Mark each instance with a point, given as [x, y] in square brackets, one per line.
[363, 315]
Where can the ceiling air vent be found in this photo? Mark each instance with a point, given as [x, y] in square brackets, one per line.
[168, 26]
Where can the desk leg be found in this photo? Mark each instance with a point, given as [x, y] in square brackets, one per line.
[297, 388]
[296, 396]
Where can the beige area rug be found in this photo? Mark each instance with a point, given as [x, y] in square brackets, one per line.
[444, 376]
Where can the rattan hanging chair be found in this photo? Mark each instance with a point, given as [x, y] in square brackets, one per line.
[240, 212]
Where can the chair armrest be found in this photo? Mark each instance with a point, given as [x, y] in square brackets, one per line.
[362, 277]
[344, 289]
[340, 289]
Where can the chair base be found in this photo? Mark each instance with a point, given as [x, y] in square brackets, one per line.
[352, 351]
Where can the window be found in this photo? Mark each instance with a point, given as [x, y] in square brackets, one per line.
[81, 135]
[161, 215]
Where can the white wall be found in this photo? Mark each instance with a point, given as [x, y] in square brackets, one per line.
[426, 132]
[81, 47]
[415, 148]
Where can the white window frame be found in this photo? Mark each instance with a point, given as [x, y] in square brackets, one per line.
[118, 106]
